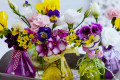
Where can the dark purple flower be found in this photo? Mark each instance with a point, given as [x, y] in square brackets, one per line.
[12, 42]
[44, 50]
[96, 28]
[53, 15]
[61, 33]
[84, 32]
[44, 33]
[26, 2]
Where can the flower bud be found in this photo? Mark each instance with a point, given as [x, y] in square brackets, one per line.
[95, 10]
[14, 7]
[87, 13]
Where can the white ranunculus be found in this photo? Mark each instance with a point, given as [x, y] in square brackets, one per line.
[95, 9]
[27, 11]
[110, 37]
[73, 17]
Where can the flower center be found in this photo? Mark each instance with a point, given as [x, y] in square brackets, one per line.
[92, 40]
[53, 18]
[43, 35]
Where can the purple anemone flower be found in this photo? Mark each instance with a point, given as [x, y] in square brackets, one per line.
[44, 50]
[96, 28]
[84, 32]
[53, 15]
[44, 33]
[61, 33]
[57, 45]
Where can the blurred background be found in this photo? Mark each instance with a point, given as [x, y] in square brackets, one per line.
[65, 4]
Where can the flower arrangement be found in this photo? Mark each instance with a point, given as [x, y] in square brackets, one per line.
[50, 35]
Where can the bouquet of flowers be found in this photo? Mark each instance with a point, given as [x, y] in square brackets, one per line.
[40, 42]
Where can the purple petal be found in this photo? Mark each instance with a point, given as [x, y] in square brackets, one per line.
[50, 13]
[50, 45]
[56, 13]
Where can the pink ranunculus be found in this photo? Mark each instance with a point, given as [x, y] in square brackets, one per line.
[99, 54]
[113, 12]
[91, 54]
[38, 20]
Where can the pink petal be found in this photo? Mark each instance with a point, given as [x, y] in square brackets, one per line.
[62, 46]
[41, 54]
[39, 48]
[49, 53]
[56, 51]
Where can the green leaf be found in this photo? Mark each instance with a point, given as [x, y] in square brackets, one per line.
[32, 49]
[79, 10]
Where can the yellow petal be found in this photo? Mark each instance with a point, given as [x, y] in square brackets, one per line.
[97, 38]
[117, 23]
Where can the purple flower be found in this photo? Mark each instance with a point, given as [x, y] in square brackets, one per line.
[44, 50]
[44, 33]
[57, 45]
[84, 32]
[96, 28]
[53, 15]
[61, 33]
[12, 42]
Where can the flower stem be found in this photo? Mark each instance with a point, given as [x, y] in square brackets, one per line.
[96, 20]
[111, 73]
[80, 23]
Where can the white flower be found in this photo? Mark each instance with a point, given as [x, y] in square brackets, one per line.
[27, 12]
[95, 9]
[73, 17]
[18, 26]
[61, 20]
[110, 37]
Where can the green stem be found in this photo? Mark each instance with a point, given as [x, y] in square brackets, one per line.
[111, 73]
[80, 23]
[27, 21]
[96, 20]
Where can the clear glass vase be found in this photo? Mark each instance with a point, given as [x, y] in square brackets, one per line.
[111, 60]
[57, 70]
[91, 69]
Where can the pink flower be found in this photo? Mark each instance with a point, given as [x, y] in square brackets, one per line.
[112, 12]
[38, 20]
[61, 33]
[91, 54]
[99, 54]
[85, 49]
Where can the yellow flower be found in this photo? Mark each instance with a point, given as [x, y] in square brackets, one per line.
[3, 20]
[73, 36]
[72, 30]
[78, 42]
[26, 38]
[92, 40]
[117, 23]
[47, 5]
[25, 32]
[53, 18]
[67, 38]
[31, 36]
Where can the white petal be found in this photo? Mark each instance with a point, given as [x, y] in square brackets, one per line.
[39, 48]
[62, 46]
[41, 55]
[56, 51]
[49, 53]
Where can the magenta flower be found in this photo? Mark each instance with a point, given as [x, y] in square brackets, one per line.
[57, 45]
[44, 50]
[84, 32]
[96, 28]
[61, 33]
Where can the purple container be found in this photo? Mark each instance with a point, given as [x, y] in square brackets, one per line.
[111, 60]
[24, 67]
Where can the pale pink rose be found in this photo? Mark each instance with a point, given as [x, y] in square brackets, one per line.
[38, 20]
[112, 12]
[91, 54]
[99, 54]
